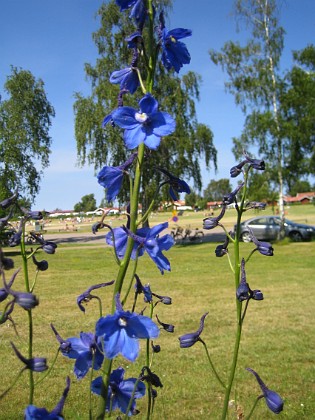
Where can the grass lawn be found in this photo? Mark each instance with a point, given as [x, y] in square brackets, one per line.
[278, 335]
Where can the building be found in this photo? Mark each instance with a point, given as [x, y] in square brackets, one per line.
[300, 198]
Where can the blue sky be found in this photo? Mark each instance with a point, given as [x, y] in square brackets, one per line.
[53, 39]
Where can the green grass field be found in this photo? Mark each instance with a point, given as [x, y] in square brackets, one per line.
[278, 335]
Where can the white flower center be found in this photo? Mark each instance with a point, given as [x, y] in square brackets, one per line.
[122, 322]
[141, 117]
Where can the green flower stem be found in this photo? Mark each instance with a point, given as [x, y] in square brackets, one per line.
[211, 364]
[29, 313]
[254, 406]
[90, 390]
[107, 367]
[151, 50]
[12, 385]
[148, 384]
[149, 409]
[34, 282]
[134, 201]
[99, 305]
[133, 224]
[131, 398]
[131, 281]
[237, 269]
[49, 370]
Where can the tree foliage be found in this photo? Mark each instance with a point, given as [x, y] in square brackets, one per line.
[25, 119]
[216, 189]
[182, 152]
[87, 203]
[279, 108]
[254, 79]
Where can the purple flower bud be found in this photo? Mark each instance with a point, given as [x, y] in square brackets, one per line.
[212, 222]
[26, 300]
[230, 198]
[188, 340]
[273, 400]
[167, 327]
[236, 170]
[151, 377]
[41, 265]
[49, 247]
[147, 293]
[257, 295]
[265, 248]
[96, 226]
[166, 300]
[255, 163]
[177, 185]
[15, 239]
[36, 364]
[34, 215]
[155, 348]
[9, 201]
[222, 250]
[86, 296]
[243, 290]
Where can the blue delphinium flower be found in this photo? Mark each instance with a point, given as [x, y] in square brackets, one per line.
[111, 177]
[86, 351]
[34, 413]
[120, 391]
[127, 78]
[188, 340]
[138, 11]
[273, 400]
[145, 239]
[120, 332]
[146, 126]
[174, 52]
[134, 39]
[177, 185]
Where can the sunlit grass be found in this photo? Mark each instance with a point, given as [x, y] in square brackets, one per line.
[278, 339]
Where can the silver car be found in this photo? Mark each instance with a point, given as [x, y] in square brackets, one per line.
[268, 227]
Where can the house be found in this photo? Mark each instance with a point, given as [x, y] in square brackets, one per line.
[300, 198]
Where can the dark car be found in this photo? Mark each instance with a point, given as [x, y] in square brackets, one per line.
[268, 227]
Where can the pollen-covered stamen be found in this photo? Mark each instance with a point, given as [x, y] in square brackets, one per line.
[141, 118]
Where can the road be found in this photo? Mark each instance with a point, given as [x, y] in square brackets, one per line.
[215, 235]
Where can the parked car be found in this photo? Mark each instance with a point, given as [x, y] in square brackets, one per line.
[268, 227]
